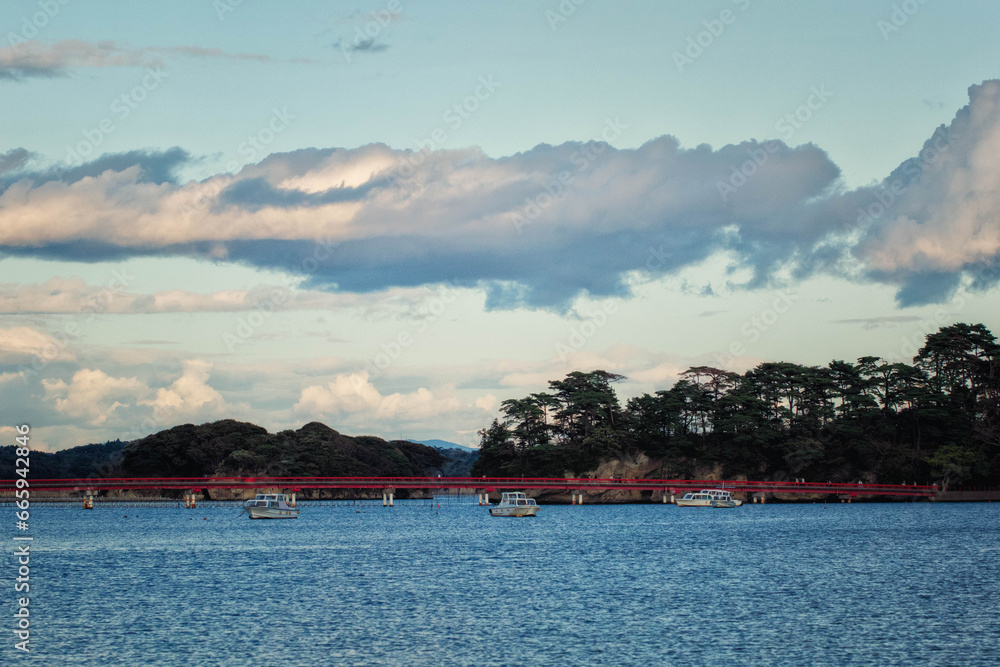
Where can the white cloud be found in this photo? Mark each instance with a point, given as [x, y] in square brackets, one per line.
[19, 345]
[93, 394]
[10, 377]
[190, 392]
[940, 208]
[487, 403]
[351, 394]
[60, 295]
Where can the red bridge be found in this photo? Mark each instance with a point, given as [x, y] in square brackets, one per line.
[482, 484]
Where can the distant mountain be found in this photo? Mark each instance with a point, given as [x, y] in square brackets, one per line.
[444, 444]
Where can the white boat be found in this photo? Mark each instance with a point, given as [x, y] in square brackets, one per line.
[270, 506]
[514, 503]
[708, 498]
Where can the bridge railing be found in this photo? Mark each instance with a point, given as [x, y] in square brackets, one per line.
[485, 483]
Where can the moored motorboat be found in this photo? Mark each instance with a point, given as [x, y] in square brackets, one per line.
[708, 498]
[270, 506]
[514, 503]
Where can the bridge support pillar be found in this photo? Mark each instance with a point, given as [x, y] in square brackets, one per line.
[385, 501]
[664, 497]
[293, 500]
[390, 499]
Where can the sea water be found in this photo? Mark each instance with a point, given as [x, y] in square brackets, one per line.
[443, 583]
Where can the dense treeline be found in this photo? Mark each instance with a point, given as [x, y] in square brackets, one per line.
[937, 419]
[235, 448]
[81, 462]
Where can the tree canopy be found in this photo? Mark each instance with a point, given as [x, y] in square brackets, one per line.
[937, 419]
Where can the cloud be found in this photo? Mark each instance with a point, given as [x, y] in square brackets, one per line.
[934, 219]
[376, 225]
[351, 394]
[36, 60]
[14, 160]
[155, 167]
[880, 322]
[92, 394]
[33, 59]
[74, 296]
[542, 227]
[21, 345]
[190, 393]
[10, 377]
[199, 52]
[365, 45]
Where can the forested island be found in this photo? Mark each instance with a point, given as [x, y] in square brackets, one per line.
[232, 448]
[935, 420]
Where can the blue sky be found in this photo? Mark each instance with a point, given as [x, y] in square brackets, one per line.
[391, 216]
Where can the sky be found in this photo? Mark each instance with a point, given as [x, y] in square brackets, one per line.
[391, 216]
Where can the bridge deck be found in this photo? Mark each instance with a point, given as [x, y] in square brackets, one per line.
[482, 483]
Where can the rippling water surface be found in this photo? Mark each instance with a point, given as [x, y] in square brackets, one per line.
[421, 585]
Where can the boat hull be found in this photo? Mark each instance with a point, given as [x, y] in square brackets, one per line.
[687, 502]
[519, 511]
[272, 513]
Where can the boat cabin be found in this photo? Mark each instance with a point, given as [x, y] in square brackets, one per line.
[516, 498]
[274, 500]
